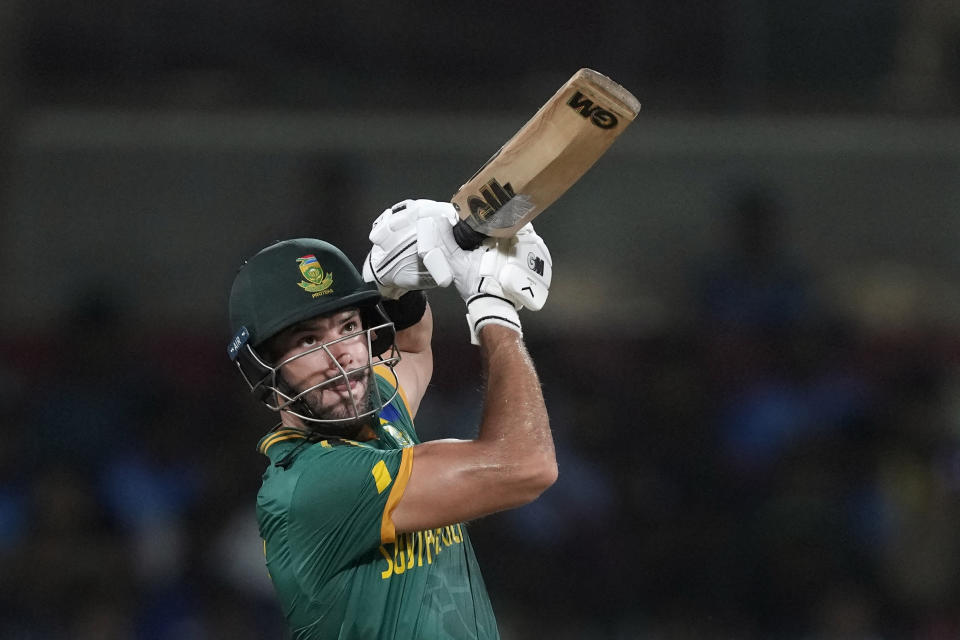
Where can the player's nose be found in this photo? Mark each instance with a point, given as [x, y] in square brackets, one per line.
[338, 356]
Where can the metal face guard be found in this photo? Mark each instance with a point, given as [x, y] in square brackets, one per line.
[273, 390]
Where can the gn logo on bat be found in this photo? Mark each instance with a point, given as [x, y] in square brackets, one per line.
[492, 197]
[597, 114]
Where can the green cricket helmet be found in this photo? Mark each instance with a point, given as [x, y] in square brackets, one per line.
[292, 281]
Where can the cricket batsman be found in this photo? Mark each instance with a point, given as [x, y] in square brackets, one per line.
[365, 527]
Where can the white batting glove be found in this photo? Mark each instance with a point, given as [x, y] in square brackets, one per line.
[526, 270]
[437, 247]
[523, 267]
[394, 262]
[475, 276]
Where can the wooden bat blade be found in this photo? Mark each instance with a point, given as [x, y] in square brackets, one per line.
[562, 140]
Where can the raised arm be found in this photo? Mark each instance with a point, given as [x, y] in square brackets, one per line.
[510, 463]
[394, 265]
[512, 460]
[416, 357]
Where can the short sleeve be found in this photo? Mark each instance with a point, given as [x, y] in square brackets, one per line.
[344, 498]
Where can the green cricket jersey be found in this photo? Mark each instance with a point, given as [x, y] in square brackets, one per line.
[339, 568]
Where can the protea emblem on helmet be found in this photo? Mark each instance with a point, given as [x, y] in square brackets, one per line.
[317, 280]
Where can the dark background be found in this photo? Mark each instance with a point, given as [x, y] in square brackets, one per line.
[750, 354]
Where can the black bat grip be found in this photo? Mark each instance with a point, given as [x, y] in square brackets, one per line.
[466, 236]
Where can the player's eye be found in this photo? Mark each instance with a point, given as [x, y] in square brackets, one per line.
[307, 341]
[351, 326]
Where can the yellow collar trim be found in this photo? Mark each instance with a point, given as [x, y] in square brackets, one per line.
[280, 436]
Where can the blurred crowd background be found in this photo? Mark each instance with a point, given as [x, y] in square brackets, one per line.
[751, 354]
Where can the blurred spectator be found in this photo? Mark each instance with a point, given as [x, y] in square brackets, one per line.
[150, 485]
[755, 284]
[71, 562]
[89, 388]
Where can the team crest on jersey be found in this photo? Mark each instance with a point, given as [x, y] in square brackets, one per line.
[316, 280]
[398, 435]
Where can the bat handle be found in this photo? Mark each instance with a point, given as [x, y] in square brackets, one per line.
[466, 236]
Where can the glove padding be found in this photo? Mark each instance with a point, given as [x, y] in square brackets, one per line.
[525, 268]
[498, 278]
[521, 266]
[475, 278]
[394, 261]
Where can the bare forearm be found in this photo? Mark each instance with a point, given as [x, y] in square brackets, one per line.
[515, 421]
[510, 463]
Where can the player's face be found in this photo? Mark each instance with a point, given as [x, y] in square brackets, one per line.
[330, 351]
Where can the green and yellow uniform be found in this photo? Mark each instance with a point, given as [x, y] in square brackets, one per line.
[338, 566]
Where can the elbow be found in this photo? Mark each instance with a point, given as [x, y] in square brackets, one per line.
[539, 477]
[548, 475]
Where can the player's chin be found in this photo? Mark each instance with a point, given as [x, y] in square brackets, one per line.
[332, 405]
[346, 424]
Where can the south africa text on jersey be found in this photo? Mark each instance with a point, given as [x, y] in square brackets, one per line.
[413, 549]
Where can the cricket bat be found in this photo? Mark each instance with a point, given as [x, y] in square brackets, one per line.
[562, 140]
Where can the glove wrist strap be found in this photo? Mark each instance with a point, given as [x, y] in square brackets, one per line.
[407, 310]
[486, 308]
